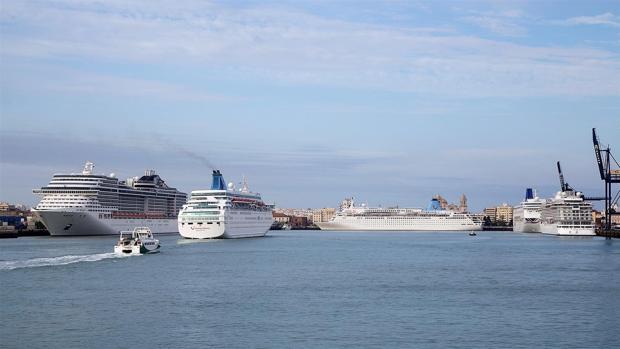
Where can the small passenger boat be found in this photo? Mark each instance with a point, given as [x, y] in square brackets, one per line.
[472, 233]
[138, 241]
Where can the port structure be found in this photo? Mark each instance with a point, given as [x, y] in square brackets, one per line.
[605, 161]
[564, 186]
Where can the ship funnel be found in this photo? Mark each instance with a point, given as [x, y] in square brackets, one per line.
[218, 181]
[529, 193]
[434, 205]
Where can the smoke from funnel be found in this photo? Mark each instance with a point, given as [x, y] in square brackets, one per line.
[190, 154]
[167, 144]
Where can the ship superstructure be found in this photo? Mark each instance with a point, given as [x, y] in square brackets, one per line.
[526, 216]
[224, 212]
[434, 218]
[95, 204]
[567, 214]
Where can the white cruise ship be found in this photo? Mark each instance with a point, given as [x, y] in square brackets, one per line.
[224, 212]
[351, 217]
[526, 216]
[92, 204]
[567, 214]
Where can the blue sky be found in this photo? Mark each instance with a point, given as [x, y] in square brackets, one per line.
[391, 102]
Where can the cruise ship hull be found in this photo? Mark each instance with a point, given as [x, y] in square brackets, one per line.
[552, 229]
[234, 226]
[525, 227]
[399, 226]
[67, 223]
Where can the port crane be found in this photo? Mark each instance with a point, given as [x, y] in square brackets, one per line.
[563, 185]
[566, 187]
[605, 160]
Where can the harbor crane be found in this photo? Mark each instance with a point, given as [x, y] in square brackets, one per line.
[563, 185]
[605, 160]
[566, 187]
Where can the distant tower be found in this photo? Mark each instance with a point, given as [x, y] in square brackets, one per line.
[463, 206]
[443, 203]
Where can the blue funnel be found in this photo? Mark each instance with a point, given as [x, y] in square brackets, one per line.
[529, 194]
[218, 181]
[434, 205]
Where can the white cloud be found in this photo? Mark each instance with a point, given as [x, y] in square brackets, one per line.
[603, 19]
[497, 25]
[47, 78]
[292, 47]
[504, 23]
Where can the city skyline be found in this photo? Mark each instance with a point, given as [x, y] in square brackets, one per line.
[389, 102]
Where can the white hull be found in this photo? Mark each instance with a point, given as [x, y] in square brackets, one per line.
[526, 217]
[525, 227]
[567, 214]
[67, 223]
[133, 250]
[234, 225]
[394, 224]
[552, 229]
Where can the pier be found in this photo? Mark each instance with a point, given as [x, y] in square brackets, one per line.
[14, 233]
[609, 233]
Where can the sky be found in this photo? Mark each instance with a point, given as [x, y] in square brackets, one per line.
[391, 102]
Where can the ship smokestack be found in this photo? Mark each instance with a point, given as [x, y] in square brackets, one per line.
[529, 193]
[218, 181]
[434, 205]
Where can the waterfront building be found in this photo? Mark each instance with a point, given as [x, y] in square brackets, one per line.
[281, 217]
[503, 213]
[597, 218]
[615, 219]
[323, 215]
[316, 216]
[312, 215]
[490, 213]
[296, 222]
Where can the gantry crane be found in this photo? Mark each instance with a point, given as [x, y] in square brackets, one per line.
[605, 160]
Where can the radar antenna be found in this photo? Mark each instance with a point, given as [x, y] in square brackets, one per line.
[88, 168]
[244, 185]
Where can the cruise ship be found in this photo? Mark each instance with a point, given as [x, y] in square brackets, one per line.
[93, 204]
[567, 214]
[526, 216]
[434, 218]
[224, 212]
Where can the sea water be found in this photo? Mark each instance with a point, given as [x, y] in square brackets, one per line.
[313, 289]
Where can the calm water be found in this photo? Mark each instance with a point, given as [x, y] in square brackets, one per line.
[314, 289]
